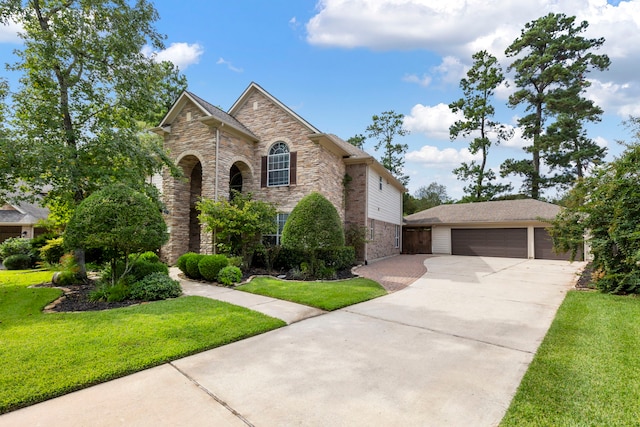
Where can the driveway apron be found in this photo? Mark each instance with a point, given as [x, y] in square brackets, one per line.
[448, 350]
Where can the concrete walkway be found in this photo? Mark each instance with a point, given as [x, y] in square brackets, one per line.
[448, 350]
[288, 311]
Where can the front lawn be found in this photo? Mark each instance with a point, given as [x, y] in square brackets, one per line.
[587, 370]
[329, 296]
[47, 355]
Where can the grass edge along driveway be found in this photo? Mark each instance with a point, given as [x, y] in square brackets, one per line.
[48, 355]
[325, 295]
[587, 369]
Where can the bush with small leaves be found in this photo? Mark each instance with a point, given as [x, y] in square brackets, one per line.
[156, 286]
[52, 250]
[229, 275]
[15, 246]
[181, 263]
[18, 262]
[210, 265]
[193, 271]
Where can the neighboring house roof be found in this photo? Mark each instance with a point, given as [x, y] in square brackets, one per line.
[22, 213]
[522, 210]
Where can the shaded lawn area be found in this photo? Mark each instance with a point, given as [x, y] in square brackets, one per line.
[587, 370]
[47, 355]
[330, 295]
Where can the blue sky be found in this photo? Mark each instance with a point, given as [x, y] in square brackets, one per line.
[338, 62]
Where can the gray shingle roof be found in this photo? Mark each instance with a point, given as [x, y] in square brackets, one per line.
[221, 115]
[485, 212]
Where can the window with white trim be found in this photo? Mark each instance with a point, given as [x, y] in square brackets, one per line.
[278, 165]
[372, 229]
[274, 239]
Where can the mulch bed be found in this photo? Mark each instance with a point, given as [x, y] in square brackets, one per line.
[76, 297]
[584, 281]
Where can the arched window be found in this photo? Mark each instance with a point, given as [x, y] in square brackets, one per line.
[278, 165]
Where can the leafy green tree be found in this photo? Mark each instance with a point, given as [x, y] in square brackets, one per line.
[86, 90]
[478, 87]
[312, 225]
[571, 151]
[425, 197]
[552, 59]
[385, 128]
[238, 225]
[119, 220]
[357, 141]
[605, 206]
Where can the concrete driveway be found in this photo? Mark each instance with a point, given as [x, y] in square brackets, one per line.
[449, 350]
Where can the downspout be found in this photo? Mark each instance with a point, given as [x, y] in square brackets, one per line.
[215, 194]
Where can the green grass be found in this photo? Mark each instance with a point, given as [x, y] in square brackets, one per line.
[587, 370]
[328, 296]
[46, 355]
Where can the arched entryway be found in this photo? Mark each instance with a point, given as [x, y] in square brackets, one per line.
[239, 178]
[195, 193]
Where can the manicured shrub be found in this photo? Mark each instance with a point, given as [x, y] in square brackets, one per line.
[288, 258]
[65, 278]
[52, 250]
[15, 246]
[193, 271]
[18, 262]
[313, 224]
[229, 275]
[181, 263]
[338, 258]
[210, 265]
[149, 257]
[142, 268]
[156, 286]
[116, 293]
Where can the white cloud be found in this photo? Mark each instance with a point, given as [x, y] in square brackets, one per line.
[434, 121]
[451, 69]
[423, 81]
[180, 54]
[9, 32]
[432, 156]
[222, 61]
[458, 28]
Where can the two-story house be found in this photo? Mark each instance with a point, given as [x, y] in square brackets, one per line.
[263, 147]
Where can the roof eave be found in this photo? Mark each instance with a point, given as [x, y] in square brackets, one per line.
[217, 123]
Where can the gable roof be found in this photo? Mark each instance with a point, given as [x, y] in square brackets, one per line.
[522, 210]
[254, 87]
[213, 115]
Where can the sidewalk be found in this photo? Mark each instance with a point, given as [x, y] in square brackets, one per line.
[290, 312]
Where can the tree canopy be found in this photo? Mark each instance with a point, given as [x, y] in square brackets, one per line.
[478, 87]
[119, 220]
[551, 63]
[385, 128]
[85, 93]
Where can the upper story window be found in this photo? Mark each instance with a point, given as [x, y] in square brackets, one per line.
[380, 182]
[278, 165]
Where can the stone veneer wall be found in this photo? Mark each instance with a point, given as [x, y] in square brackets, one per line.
[356, 201]
[317, 169]
[383, 244]
[191, 141]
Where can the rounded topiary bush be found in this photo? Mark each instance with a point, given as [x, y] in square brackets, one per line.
[142, 268]
[181, 263]
[313, 224]
[193, 271]
[17, 262]
[149, 257]
[229, 275]
[210, 265]
[156, 286]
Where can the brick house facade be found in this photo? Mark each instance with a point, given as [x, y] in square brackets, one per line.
[263, 147]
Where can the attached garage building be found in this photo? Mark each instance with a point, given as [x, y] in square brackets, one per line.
[506, 228]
